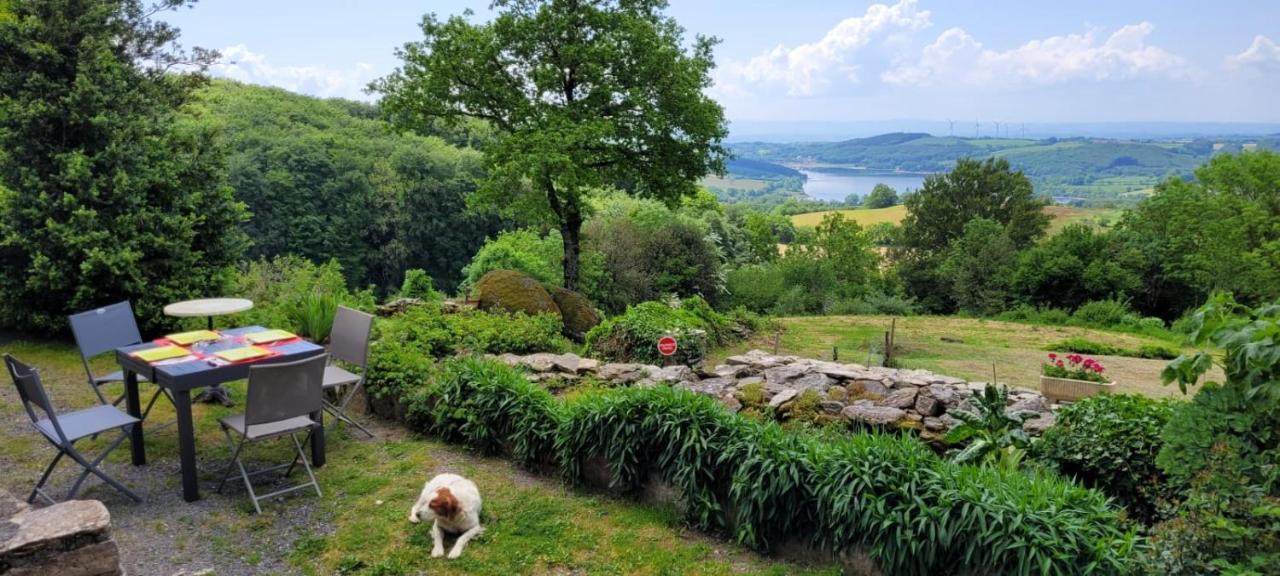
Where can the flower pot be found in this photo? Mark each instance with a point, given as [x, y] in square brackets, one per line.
[1069, 390]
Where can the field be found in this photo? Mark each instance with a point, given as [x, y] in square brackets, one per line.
[1060, 216]
[534, 523]
[962, 347]
[740, 183]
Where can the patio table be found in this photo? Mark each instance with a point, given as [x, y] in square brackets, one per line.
[182, 377]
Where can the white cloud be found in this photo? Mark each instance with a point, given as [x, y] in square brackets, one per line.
[956, 57]
[806, 68]
[240, 63]
[1262, 54]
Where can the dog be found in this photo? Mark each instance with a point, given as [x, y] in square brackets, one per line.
[453, 504]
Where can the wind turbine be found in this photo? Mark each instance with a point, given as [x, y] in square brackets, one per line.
[997, 123]
[951, 127]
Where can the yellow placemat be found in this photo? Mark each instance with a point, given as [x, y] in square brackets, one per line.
[269, 336]
[192, 337]
[238, 354]
[160, 353]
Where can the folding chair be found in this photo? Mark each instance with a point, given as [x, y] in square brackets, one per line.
[349, 342]
[103, 330]
[63, 430]
[280, 401]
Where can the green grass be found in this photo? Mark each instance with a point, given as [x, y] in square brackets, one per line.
[962, 347]
[1060, 216]
[535, 524]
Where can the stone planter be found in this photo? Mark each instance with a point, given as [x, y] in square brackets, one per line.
[1070, 390]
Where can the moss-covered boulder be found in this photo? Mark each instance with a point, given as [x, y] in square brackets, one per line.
[577, 312]
[514, 292]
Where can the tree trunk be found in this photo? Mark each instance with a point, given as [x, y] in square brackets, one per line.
[571, 231]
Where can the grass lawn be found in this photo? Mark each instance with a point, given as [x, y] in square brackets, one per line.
[535, 524]
[962, 347]
[740, 183]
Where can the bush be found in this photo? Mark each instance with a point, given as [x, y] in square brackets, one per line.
[576, 311]
[1032, 315]
[756, 287]
[427, 330]
[1110, 442]
[523, 250]
[1085, 346]
[1105, 314]
[395, 369]
[417, 284]
[297, 294]
[633, 336]
[1156, 352]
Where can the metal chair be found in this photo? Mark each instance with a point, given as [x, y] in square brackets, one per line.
[63, 430]
[349, 342]
[281, 399]
[103, 330]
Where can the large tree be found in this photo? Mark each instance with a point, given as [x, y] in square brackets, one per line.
[583, 95]
[105, 193]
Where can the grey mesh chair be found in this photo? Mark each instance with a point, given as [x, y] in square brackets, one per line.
[63, 430]
[102, 330]
[348, 342]
[281, 399]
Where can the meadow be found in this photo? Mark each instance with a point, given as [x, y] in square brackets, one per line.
[1060, 216]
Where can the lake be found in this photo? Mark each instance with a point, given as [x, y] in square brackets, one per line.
[838, 183]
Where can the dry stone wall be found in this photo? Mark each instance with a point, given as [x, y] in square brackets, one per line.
[66, 539]
[868, 395]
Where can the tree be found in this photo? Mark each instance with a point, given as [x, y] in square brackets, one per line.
[849, 251]
[110, 194]
[1077, 265]
[882, 196]
[937, 213]
[583, 95]
[979, 267]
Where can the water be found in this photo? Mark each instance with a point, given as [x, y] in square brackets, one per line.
[838, 184]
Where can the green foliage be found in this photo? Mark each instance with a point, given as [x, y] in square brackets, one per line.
[395, 369]
[881, 196]
[523, 250]
[1110, 442]
[513, 291]
[991, 436]
[1075, 266]
[290, 292]
[633, 336]
[979, 267]
[1221, 449]
[106, 192]
[582, 96]
[417, 284]
[577, 313]
[326, 179]
[1104, 313]
[1080, 345]
[1074, 367]
[938, 212]
[427, 330]
[490, 407]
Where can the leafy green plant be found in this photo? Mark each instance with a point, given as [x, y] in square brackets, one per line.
[1110, 442]
[313, 314]
[1084, 346]
[1156, 352]
[418, 284]
[633, 336]
[475, 332]
[993, 436]
[396, 369]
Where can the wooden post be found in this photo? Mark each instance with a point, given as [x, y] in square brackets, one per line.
[888, 341]
[835, 354]
[777, 341]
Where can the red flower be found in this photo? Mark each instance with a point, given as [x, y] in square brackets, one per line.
[1059, 363]
[1053, 356]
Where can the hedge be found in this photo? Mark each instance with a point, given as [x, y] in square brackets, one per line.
[909, 510]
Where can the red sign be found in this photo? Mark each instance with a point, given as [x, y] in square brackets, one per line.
[666, 345]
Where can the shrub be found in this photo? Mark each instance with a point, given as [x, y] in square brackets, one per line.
[1031, 314]
[295, 293]
[1110, 442]
[756, 287]
[1085, 346]
[523, 250]
[992, 436]
[417, 284]
[427, 330]
[633, 336]
[1156, 352]
[313, 315]
[395, 370]
[514, 292]
[1105, 314]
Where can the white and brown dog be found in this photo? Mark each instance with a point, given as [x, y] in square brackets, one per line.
[453, 504]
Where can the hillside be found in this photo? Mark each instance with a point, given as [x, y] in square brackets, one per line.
[1091, 170]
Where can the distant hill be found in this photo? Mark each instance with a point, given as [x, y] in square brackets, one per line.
[744, 168]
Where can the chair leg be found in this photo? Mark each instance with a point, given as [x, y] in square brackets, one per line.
[159, 390]
[289, 471]
[306, 465]
[339, 411]
[96, 461]
[45, 478]
[235, 456]
[93, 469]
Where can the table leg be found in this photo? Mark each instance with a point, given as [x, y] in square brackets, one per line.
[186, 445]
[317, 440]
[133, 404]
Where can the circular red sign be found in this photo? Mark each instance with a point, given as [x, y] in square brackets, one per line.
[666, 345]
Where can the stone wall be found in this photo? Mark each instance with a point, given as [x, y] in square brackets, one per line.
[66, 539]
[873, 396]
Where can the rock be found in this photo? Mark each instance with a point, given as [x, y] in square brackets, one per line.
[514, 292]
[397, 306]
[1029, 403]
[783, 397]
[616, 371]
[812, 381]
[748, 381]
[509, 359]
[576, 311]
[731, 370]
[65, 539]
[900, 398]
[869, 387]
[839, 371]
[758, 360]
[1037, 426]
[944, 393]
[731, 402]
[677, 373]
[934, 424]
[927, 405]
[873, 415]
[831, 406]
[644, 383]
[541, 362]
[10, 506]
[572, 364]
[710, 386]
[782, 375]
[838, 394]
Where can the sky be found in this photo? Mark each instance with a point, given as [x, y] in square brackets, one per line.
[814, 61]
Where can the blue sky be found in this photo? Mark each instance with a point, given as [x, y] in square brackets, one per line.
[843, 61]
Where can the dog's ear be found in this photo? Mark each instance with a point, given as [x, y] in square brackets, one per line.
[444, 504]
